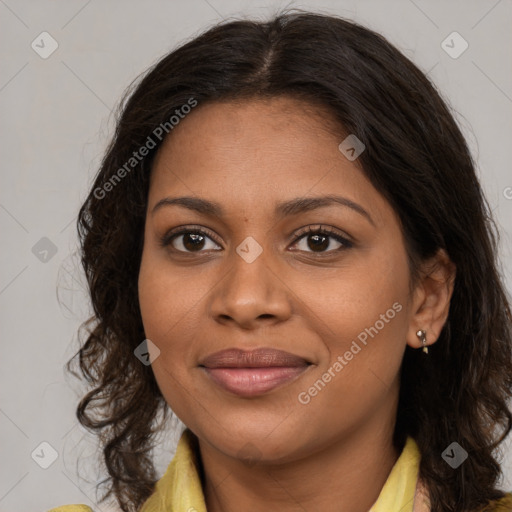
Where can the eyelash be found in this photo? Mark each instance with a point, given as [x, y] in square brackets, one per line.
[166, 240]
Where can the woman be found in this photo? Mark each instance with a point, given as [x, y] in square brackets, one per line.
[287, 245]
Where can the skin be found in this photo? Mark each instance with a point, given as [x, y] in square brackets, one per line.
[335, 452]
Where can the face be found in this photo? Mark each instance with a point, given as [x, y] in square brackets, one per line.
[254, 264]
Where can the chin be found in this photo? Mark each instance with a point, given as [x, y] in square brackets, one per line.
[250, 442]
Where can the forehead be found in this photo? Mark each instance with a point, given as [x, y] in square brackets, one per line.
[279, 125]
[251, 153]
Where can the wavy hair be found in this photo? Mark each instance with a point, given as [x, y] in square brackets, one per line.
[416, 156]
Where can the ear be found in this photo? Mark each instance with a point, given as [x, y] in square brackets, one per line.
[431, 298]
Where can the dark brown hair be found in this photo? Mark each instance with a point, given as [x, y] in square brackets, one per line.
[415, 156]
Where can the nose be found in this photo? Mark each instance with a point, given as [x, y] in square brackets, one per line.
[251, 295]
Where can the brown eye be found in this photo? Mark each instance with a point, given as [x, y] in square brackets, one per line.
[188, 241]
[321, 240]
[193, 241]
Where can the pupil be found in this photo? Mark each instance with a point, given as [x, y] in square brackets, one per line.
[324, 243]
[193, 241]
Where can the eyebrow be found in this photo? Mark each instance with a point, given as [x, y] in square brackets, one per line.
[284, 209]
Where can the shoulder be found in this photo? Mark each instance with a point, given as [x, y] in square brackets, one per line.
[500, 505]
[71, 508]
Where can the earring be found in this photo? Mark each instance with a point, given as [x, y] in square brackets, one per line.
[422, 335]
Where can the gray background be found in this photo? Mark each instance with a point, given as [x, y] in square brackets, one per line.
[56, 121]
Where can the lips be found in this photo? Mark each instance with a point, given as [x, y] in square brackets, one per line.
[253, 373]
[259, 358]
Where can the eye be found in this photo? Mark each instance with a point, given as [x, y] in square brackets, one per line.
[321, 240]
[188, 240]
[311, 239]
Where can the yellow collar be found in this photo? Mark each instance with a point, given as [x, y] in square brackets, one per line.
[180, 487]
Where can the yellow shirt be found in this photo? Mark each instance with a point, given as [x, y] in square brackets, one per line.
[180, 489]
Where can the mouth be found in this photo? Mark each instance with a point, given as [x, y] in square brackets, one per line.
[253, 373]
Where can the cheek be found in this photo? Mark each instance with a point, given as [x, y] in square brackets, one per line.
[346, 302]
[362, 321]
[168, 306]
[167, 296]
[171, 300]
[360, 314]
